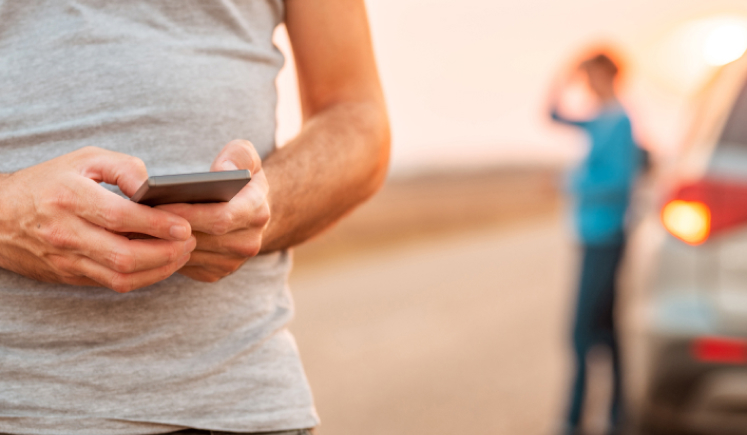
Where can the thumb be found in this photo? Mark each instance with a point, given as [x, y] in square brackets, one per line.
[226, 165]
[111, 167]
[237, 154]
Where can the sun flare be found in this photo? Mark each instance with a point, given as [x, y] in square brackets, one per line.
[726, 43]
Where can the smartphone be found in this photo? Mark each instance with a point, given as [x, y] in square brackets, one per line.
[201, 187]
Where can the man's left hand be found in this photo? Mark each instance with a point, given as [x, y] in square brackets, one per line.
[228, 233]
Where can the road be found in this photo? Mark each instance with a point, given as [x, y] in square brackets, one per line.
[457, 334]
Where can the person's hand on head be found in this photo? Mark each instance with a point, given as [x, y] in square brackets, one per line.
[228, 233]
[57, 224]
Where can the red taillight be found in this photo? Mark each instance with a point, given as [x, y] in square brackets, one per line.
[703, 208]
[720, 350]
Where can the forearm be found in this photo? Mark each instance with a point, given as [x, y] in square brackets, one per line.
[339, 159]
[556, 116]
[553, 102]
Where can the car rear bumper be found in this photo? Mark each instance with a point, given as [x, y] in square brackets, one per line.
[719, 404]
[684, 394]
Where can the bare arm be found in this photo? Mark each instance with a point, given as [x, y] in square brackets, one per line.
[341, 156]
[554, 96]
[338, 160]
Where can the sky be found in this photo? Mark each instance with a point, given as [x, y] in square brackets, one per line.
[466, 82]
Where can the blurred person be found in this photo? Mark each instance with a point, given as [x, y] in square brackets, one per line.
[601, 189]
[96, 91]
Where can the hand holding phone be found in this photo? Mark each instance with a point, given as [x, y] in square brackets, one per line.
[73, 226]
[228, 233]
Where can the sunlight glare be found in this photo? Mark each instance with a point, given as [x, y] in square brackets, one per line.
[725, 44]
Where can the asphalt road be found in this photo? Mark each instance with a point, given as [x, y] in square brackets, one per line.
[458, 334]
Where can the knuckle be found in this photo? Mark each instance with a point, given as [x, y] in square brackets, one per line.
[58, 262]
[89, 150]
[234, 215]
[155, 221]
[122, 261]
[247, 249]
[240, 143]
[234, 266]
[242, 217]
[63, 198]
[244, 150]
[112, 217]
[212, 277]
[63, 265]
[222, 225]
[227, 267]
[137, 164]
[75, 267]
[203, 275]
[263, 215]
[174, 252]
[59, 237]
[121, 283]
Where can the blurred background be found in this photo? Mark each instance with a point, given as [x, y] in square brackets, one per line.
[442, 306]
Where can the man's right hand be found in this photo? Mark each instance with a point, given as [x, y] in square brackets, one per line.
[57, 224]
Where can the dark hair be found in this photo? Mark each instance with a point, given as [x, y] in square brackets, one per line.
[603, 62]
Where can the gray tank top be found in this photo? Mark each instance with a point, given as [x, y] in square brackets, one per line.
[171, 82]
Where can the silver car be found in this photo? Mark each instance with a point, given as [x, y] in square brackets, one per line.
[684, 306]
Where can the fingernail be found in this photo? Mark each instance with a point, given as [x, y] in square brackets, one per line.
[179, 232]
[228, 165]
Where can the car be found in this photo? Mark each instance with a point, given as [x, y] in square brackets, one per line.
[685, 277]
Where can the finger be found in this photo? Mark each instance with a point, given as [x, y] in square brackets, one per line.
[128, 256]
[109, 210]
[123, 282]
[237, 154]
[214, 262]
[255, 192]
[249, 208]
[111, 167]
[242, 243]
[215, 218]
[114, 251]
[217, 244]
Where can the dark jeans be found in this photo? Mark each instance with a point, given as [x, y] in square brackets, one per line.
[216, 432]
[594, 325]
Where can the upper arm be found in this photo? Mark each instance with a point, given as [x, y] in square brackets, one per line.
[333, 53]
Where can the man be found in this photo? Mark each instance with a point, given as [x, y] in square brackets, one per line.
[194, 336]
[601, 187]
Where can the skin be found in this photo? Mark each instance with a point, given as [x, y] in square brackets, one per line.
[337, 161]
[601, 83]
[54, 227]
[598, 80]
[58, 225]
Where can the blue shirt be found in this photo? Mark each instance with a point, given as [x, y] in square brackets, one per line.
[601, 184]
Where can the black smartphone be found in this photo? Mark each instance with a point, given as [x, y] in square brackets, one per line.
[201, 187]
